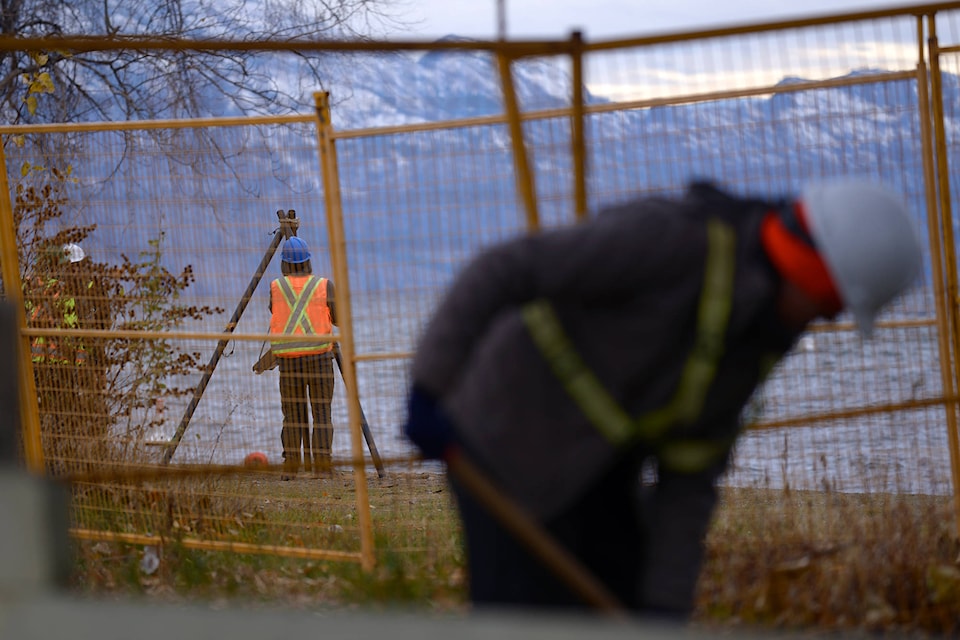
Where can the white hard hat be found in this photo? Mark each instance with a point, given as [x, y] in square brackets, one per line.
[73, 252]
[864, 234]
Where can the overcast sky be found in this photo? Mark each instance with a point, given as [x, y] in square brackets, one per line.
[603, 19]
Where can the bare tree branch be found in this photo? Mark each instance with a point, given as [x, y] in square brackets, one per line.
[152, 84]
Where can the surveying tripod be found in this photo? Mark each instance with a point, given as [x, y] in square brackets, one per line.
[287, 229]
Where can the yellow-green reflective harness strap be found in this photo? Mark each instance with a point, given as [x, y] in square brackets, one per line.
[603, 411]
[581, 383]
[713, 314]
[691, 456]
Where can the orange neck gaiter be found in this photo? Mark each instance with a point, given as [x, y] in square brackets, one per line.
[797, 260]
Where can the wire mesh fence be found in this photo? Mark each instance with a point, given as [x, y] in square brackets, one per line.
[141, 354]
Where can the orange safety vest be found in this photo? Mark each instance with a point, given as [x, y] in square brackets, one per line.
[299, 306]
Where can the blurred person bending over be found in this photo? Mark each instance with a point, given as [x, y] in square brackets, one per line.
[303, 304]
[563, 363]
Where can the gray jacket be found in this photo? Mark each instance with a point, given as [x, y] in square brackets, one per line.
[626, 287]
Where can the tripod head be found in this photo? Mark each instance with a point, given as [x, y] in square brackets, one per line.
[288, 222]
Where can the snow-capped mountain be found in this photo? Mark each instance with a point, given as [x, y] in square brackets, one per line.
[402, 192]
[405, 88]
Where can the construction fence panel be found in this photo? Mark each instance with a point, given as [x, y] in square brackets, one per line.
[759, 113]
[185, 212]
[763, 113]
[175, 221]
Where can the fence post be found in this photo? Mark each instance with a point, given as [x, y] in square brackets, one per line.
[348, 371]
[949, 248]
[29, 410]
[577, 129]
[525, 179]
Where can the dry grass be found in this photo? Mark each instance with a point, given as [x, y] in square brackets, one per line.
[417, 537]
[832, 561]
[795, 560]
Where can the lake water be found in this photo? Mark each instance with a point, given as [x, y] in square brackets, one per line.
[904, 452]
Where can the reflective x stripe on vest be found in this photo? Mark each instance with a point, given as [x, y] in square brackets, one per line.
[605, 413]
[299, 320]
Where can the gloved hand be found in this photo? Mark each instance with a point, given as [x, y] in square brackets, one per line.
[266, 362]
[428, 425]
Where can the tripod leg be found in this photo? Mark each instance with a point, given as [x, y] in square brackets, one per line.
[364, 426]
[288, 227]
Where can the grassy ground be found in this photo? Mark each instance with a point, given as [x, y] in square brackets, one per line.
[833, 561]
[796, 560]
[416, 536]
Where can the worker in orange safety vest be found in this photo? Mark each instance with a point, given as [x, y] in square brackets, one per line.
[303, 304]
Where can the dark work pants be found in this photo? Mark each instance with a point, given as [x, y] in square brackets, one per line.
[306, 386]
[602, 529]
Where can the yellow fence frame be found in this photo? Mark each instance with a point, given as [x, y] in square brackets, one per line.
[948, 245]
[935, 168]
